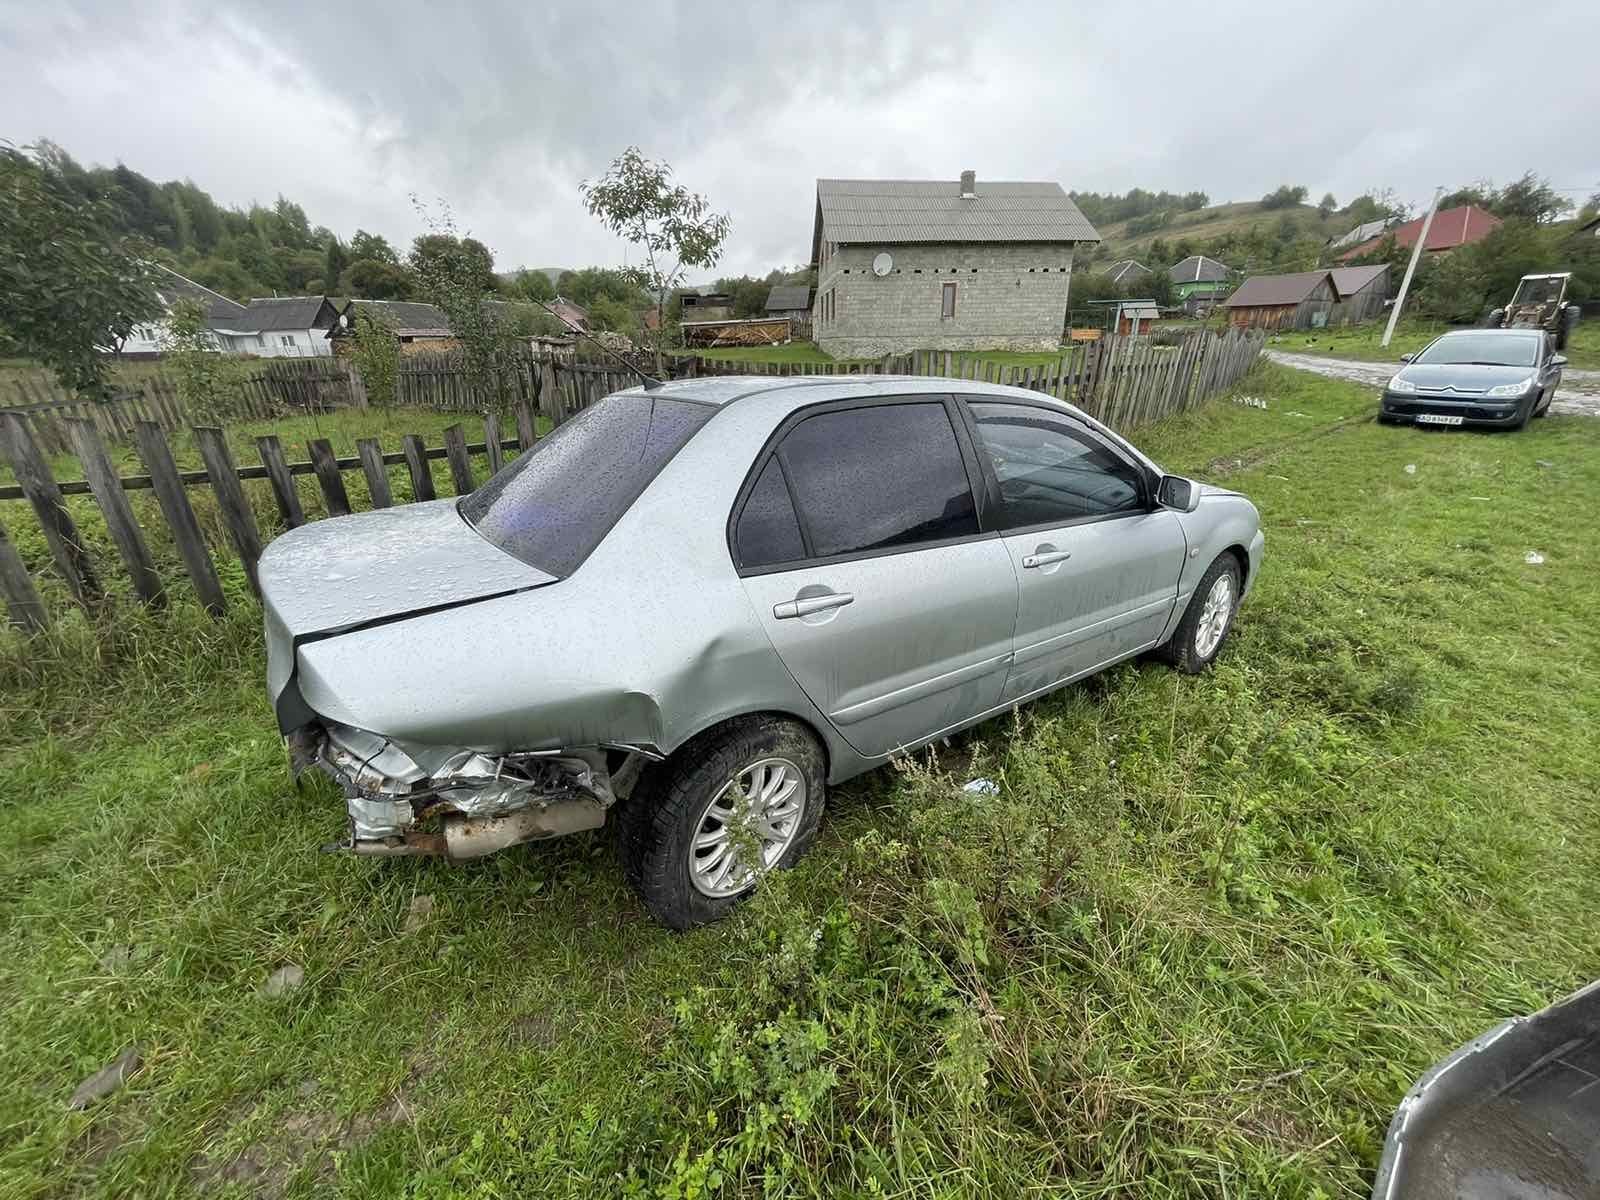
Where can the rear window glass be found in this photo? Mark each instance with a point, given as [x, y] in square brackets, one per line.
[552, 506]
[881, 476]
[768, 530]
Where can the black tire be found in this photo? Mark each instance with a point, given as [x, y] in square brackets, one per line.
[1181, 651]
[1541, 406]
[658, 824]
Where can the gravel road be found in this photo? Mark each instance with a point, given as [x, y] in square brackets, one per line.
[1578, 394]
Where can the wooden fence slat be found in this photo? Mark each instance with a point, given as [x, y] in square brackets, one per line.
[416, 452]
[108, 493]
[283, 489]
[377, 474]
[326, 467]
[455, 446]
[527, 431]
[491, 440]
[39, 486]
[23, 605]
[163, 472]
[237, 514]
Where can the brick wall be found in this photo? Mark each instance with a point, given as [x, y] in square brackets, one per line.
[1008, 297]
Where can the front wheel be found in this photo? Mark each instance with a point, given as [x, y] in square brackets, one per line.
[1208, 619]
[735, 803]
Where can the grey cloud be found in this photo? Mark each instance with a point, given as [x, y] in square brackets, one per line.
[502, 108]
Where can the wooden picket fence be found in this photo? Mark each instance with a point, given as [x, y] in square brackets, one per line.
[1124, 382]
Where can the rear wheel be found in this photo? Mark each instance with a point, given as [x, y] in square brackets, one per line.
[735, 803]
[1208, 619]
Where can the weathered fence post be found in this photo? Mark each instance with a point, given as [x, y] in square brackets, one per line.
[22, 600]
[107, 489]
[168, 487]
[283, 489]
[491, 441]
[455, 449]
[326, 468]
[39, 486]
[417, 463]
[371, 455]
[237, 514]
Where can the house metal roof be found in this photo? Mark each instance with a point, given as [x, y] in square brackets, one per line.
[1123, 267]
[1451, 227]
[1350, 280]
[172, 287]
[788, 297]
[1273, 290]
[1197, 268]
[409, 318]
[265, 314]
[891, 211]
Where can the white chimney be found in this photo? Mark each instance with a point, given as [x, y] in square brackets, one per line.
[969, 184]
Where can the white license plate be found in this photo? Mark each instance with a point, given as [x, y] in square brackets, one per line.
[1437, 419]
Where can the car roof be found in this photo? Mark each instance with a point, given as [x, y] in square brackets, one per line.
[725, 389]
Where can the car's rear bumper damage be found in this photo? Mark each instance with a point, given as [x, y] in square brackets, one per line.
[457, 803]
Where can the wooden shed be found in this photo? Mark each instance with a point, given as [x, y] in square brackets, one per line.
[1362, 292]
[1303, 300]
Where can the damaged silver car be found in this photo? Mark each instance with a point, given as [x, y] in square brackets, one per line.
[695, 605]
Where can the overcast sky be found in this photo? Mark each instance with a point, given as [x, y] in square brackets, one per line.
[502, 108]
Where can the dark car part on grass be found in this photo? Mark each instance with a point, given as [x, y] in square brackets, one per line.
[737, 591]
[1512, 1115]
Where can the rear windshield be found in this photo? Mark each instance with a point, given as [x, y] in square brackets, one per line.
[552, 506]
[1489, 349]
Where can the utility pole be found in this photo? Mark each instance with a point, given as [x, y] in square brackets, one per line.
[1411, 268]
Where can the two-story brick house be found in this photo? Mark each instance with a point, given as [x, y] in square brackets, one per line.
[907, 264]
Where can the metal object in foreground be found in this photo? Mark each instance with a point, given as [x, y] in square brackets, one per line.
[1512, 1115]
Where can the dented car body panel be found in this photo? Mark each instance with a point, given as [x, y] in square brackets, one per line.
[406, 651]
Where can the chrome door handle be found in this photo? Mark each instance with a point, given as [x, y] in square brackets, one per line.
[1045, 559]
[790, 609]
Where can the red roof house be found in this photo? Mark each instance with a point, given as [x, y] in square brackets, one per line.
[1451, 227]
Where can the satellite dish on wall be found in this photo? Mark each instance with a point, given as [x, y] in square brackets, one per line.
[882, 264]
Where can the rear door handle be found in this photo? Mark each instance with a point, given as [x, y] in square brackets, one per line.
[1046, 558]
[790, 609]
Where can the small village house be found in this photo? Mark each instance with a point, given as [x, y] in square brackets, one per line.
[1198, 283]
[1303, 300]
[1451, 227]
[791, 301]
[415, 325]
[1362, 293]
[705, 306]
[1125, 272]
[942, 264]
[153, 337]
[287, 327]
[1364, 232]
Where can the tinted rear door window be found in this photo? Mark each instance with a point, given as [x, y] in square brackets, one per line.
[877, 477]
[768, 530]
[552, 506]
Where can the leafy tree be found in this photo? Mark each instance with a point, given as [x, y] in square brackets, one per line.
[637, 200]
[372, 246]
[1284, 196]
[535, 285]
[209, 383]
[1481, 194]
[376, 353]
[1158, 286]
[1162, 256]
[1327, 205]
[373, 279]
[1530, 199]
[334, 262]
[592, 284]
[749, 294]
[69, 285]
[606, 313]
[456, 274]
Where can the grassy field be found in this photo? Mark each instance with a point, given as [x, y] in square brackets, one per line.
[1198, 945]
[1363, 341]
[1202, 225]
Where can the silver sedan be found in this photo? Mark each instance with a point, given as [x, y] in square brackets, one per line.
[692, 608]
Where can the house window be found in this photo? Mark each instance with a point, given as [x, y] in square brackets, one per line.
[948, 306]
[286, 340]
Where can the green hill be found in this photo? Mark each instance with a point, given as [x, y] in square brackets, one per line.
[1205, 225]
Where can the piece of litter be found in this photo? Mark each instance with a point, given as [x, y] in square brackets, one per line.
[1533, 558]
[1543, 463]
[421, 910]
[1411, 468]
[283, 980]
[1285, 478]
[1293, 413]
[1480, 497]
[107, 1079]
[1250, 401]
[981, 787]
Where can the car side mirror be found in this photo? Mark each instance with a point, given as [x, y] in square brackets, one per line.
[1174, 491]
[1559, 360]
[1408, 356]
